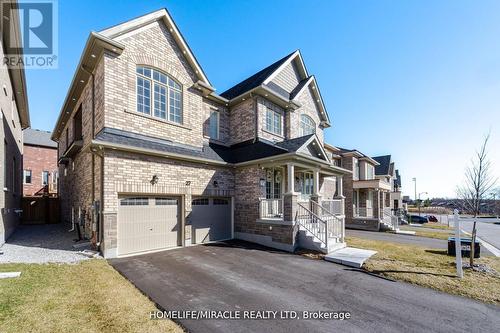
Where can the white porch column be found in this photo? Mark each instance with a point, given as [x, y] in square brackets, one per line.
[340, 186]
[291, 178]
[316, 181]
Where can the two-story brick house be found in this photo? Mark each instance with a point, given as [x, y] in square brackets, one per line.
[14, 115]
[152, 158]
[40, 171]
[367, 193]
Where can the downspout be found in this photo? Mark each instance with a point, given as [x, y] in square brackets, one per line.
[93, 157]
[256, 110]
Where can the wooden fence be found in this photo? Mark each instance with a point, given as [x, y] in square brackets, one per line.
[40, 210]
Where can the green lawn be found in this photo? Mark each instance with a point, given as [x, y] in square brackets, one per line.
[431, 268]
[86, 297]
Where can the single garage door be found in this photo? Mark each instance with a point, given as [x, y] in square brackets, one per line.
[210, 219]
[147, 223]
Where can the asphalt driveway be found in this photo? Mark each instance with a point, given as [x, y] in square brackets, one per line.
[241, 276]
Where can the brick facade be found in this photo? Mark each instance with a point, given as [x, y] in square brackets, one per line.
[38, 159]
[127, 173]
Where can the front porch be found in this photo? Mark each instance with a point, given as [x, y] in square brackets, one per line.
[308, 198]
[372, 209]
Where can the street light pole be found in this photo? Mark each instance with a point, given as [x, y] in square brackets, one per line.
[419, 205]
[415, 197]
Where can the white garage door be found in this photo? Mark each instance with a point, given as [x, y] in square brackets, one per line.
[210, 219]
[146, 224]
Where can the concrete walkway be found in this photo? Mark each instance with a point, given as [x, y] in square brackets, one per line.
[350, 256]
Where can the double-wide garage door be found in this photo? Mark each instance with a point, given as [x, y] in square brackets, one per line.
[154, 223]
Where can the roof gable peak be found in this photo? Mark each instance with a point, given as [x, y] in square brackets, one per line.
[162, 14]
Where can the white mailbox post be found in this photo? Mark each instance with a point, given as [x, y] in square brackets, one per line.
[458, 245]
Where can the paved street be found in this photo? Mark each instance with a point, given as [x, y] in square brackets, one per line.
[241, 276]
[487, 229]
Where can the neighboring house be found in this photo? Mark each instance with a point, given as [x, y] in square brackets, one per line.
[367, 195]
[387, 171]
[40, 170]
[15, 117]
[152, 158]
[397, 193]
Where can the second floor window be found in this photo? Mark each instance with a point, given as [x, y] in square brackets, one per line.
[369, 171]
[307, 125]
[274, 122]
[214, 124]
[356, 169]
[158, 95]
[45, 178]
[27, 176]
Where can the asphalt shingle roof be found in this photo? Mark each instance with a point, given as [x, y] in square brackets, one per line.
[241, 152]
[36, 137]
[255, 80]
[383, 167]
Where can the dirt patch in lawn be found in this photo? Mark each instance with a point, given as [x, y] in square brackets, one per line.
[431, 268]
[86, 297]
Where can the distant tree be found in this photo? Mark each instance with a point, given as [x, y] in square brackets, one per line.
[477, 185]
[427, 203]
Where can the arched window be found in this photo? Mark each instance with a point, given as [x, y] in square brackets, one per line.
[307, 125]
[158, 95]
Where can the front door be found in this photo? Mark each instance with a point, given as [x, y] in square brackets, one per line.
[274, 183]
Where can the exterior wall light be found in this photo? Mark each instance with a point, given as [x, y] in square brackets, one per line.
[154, 180]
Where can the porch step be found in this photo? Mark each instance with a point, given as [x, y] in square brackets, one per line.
[350, 256]
[308, 240]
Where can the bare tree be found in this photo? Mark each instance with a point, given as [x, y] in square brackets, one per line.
[476, 187]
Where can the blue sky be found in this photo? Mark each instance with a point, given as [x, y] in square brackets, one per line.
[419, 80]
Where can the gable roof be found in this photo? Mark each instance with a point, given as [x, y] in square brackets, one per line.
[384, 164]
[36, 137]
[262, 80]
[143, 20]
[358, 154]
[256, 79]
[105, 40]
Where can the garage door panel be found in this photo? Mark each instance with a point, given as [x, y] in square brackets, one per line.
[210, 219]
[144, 226]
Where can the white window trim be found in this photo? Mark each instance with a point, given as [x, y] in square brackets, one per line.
[301, 122]
[152, 83]
[217, 112]
[24, 177]
[48, 177]
[272, 129]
